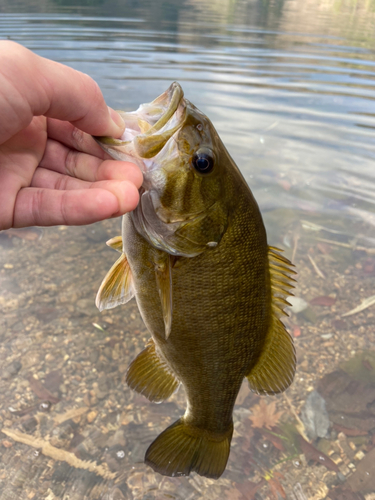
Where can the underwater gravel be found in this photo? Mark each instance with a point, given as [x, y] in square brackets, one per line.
[70, 426]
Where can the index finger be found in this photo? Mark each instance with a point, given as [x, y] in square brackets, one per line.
[31, 85]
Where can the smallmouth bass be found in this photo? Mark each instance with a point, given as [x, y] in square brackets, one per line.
[210, 290]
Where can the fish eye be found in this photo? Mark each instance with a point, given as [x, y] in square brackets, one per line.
[203, 162]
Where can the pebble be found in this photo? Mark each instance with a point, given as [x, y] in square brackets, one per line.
[12, 369]
[327, 336]
[92, 416]
[298, 304]
[359, 455]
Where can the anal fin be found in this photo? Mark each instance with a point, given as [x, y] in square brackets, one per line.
[117, 286]
[150, 376]
[276, 366]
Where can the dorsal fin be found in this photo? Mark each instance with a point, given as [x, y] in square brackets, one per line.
[275, 368]
[115, 243]
[163, 274]
[117, 286]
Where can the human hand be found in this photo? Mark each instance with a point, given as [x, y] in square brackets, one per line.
[51, 170]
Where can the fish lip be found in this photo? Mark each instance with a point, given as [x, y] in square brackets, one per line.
[172, 98]
[137, 145]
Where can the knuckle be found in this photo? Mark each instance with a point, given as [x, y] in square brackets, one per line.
[6, 223]
[36, 204]
[78, 138]
[61, 183]
[64, 209]
[97, 93]
[71, 163]
[92, 88]
[14, 48]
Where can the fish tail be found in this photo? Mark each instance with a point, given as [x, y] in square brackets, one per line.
[182, 448]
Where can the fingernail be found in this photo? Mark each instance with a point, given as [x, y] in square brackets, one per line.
[118, 121]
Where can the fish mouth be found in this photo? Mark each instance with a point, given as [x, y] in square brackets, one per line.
[149, 140]
[148, 128]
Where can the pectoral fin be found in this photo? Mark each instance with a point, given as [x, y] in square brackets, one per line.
[275, 368]
[163, 274]
[117, 287]
[115, 243]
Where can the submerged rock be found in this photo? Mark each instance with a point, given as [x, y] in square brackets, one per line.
[314, 415]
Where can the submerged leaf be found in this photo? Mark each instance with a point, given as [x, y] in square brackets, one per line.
[312, 453]
[323, 301]
[276, 489]
[362, 306]
[38, 388]
[265, 415]
[28, 234]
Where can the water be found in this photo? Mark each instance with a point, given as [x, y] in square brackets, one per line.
[290, 86]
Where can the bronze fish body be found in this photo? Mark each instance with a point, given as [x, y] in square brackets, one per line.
[210, 290]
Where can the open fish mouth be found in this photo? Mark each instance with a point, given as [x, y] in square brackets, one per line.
[148, 128]
[151, 140]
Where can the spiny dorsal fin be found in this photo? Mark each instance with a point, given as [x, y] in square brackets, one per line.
[163, 273]
[115, 243]
[117, 287]
[150, 376]
[275, 368]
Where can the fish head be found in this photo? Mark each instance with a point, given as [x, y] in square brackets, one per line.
[182, 207]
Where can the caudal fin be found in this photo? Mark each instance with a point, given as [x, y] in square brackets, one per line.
[181, 449]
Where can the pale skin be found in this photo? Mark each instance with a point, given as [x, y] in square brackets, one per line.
[51, 169]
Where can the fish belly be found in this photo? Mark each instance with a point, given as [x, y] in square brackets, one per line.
[219, 323]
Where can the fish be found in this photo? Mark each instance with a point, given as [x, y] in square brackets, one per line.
[209, 288]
